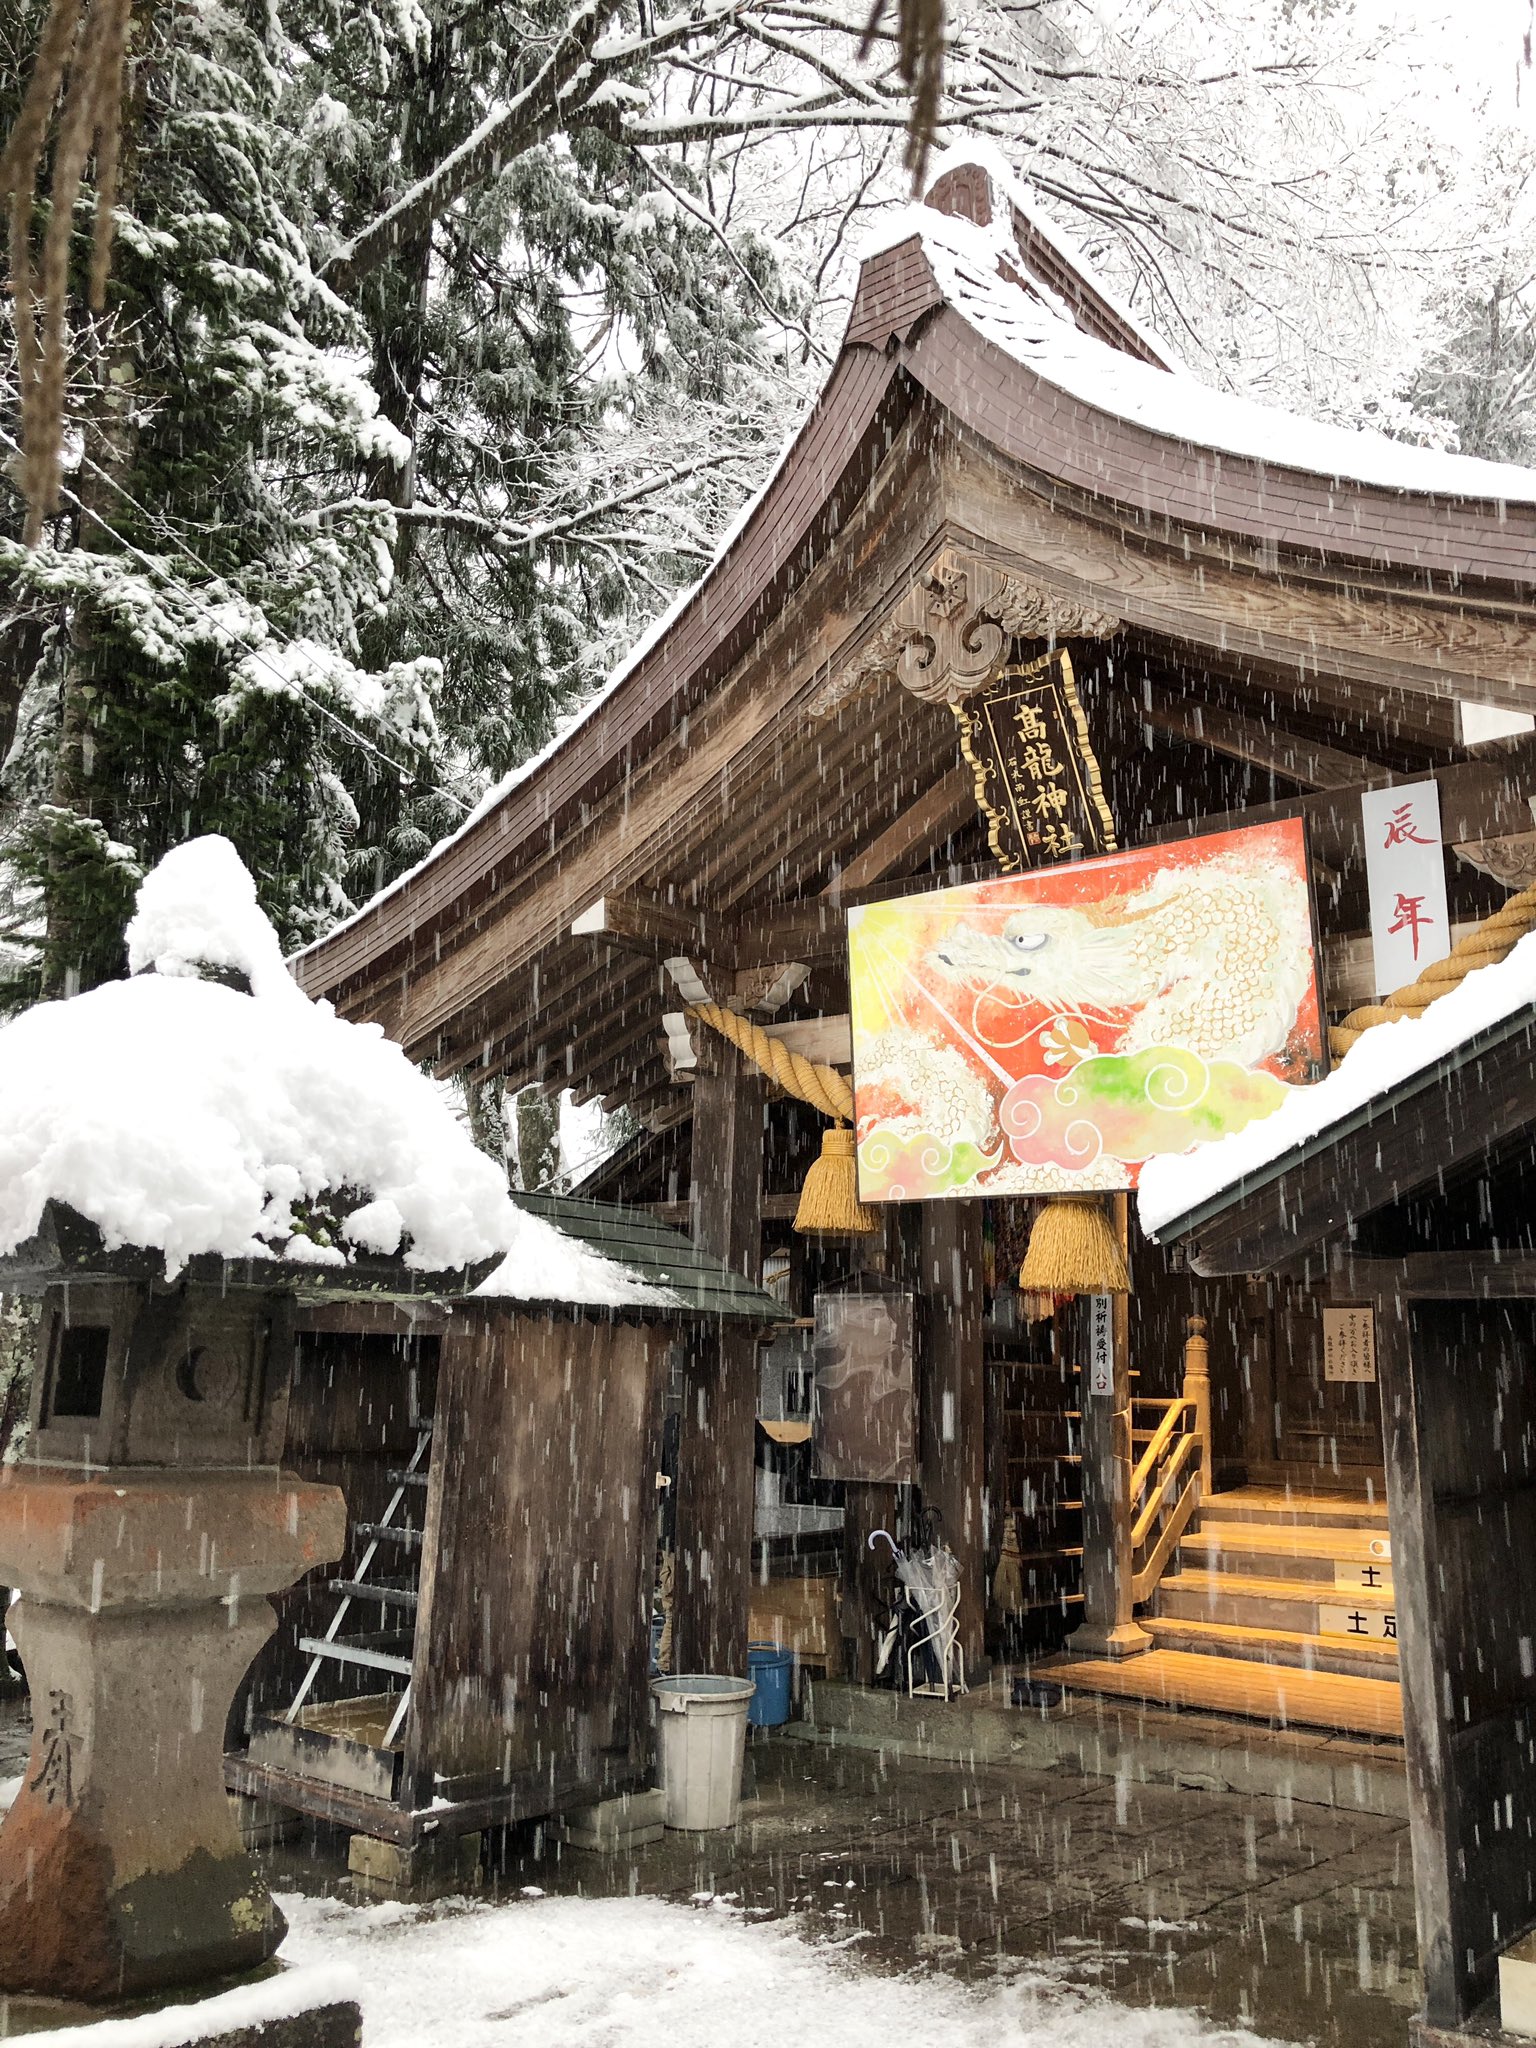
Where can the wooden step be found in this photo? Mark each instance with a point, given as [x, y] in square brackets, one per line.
[1257, 1551]
[1227, 1685]
[1265, 1603]
[1291, 1508]
[1274, 1646]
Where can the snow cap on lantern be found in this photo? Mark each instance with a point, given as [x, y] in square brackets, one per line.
[207, 1106]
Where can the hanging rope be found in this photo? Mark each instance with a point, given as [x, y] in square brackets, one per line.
[1493, 940]
[829, 1201]
[80, 55]
[824, 1088]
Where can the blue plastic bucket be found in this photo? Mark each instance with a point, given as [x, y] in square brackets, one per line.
[772, 1671]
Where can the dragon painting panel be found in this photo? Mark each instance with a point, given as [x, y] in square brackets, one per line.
[1049, 1032]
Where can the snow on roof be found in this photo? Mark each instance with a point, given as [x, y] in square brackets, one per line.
[1038, 330]
[1382, 1057]
[189, 1116]
[899, 226]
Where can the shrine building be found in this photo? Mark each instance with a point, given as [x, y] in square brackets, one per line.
[1023, 591]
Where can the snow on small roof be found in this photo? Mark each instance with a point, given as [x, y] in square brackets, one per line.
[189, 1116]
[1380, 1059]
[1036, 329]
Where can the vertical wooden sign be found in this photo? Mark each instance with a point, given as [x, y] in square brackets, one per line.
[1037, 780]
[1101, 1345]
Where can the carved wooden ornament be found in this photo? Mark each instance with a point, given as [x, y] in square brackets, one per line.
[952, 634]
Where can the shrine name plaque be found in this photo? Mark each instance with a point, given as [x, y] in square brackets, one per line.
[1037, 781]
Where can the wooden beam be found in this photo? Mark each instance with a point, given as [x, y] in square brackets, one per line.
[924, 825]
[1260, 745]
[1436, 1276]
[650, 926]
[1478, 800]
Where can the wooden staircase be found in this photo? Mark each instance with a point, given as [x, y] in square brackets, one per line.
[1279, 1608]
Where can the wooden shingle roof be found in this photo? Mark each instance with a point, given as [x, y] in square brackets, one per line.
[659, 1255]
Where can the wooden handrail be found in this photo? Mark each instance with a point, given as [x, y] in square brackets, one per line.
[1159, 1496]
[1164, 1493]
[1147, 1462]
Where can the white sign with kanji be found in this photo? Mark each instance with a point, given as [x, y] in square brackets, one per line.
[1363, 1620]
[1405, 875]
[1101, 1345]
[1349, 1344]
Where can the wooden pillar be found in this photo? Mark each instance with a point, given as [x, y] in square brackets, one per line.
[1415, 1573]
[712, 1589]
[952, 1402]
[1108, 1627]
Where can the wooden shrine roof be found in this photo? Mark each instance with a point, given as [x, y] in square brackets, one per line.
[1457, 1112]
[719, 777]
[658, 1254]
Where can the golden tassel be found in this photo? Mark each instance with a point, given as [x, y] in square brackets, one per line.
[829, 1201]
[1073, 1249]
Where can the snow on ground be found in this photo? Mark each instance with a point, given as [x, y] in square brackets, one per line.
[641, 1973]
[1378, 1060]
[193, 1116]
[9, 1787]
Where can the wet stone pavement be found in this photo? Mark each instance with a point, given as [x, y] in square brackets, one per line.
[1293, 1919]
[1296, 1920]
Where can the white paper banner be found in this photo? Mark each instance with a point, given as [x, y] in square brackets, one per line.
[1405, 874]
[1101, 1345]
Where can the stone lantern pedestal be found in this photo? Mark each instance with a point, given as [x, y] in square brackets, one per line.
[143, 1602]
[145, 1529]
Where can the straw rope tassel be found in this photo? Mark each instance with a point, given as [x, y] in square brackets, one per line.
[1493, 940]
[829, 1201]
[1074, 1249]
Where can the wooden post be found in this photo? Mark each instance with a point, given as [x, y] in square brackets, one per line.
[1459, 1433]
[1416, 1578]
[712, 1593]
[1109, 1627]
[952, 1403]
[1197, 1388]
[866, 1572]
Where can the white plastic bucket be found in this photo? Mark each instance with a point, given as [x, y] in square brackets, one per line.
[702, 1736]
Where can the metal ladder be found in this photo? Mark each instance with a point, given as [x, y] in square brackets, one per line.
[335, 1648]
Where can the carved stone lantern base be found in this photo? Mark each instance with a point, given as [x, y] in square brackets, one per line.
[143, 1602]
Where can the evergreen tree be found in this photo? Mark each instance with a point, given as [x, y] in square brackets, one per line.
[185, 649]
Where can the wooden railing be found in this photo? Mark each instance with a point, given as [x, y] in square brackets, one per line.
[1173, 1474]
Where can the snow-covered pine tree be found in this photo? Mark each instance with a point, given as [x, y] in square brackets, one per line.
[184, 652]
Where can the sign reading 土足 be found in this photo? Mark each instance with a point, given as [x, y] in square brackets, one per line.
[1405, 878]
[1047, 1032]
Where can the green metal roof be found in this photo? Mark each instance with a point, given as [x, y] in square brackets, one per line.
[656, 1253]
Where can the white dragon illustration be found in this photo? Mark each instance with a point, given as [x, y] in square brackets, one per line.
[1215, 958]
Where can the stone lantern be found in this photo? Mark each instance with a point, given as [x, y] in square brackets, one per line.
[182, 1156]
[146, 1527]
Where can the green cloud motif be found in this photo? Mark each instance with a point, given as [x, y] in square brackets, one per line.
[1132, 1106]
